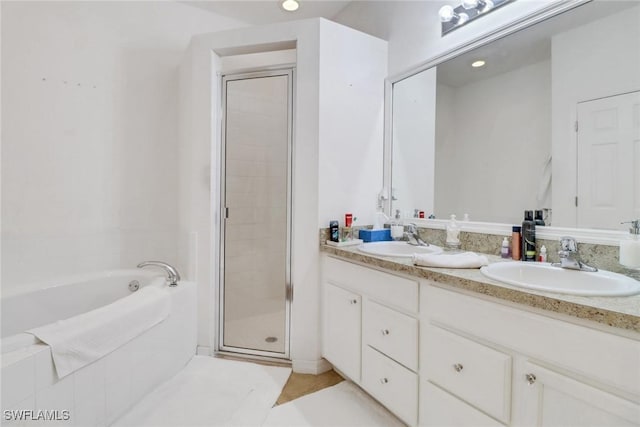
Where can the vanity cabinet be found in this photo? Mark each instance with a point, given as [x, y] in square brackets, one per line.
[378, 349]
[342, 329]
[499, 365]
[437, 356]
[551, 399]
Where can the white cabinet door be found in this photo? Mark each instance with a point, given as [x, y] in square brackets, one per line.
[342, 330]
[552, 399]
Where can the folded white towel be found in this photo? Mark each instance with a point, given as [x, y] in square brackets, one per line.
[444, 260]
[80, 340]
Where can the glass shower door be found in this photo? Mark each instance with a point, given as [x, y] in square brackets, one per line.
[256, 196]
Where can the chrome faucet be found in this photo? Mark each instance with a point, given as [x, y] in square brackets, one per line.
[413, 235]
[172, 274]
[569, 256]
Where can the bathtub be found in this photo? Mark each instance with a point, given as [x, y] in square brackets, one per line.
[99, 393]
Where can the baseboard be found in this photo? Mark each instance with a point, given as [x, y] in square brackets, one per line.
[203, 350]
[314, 367]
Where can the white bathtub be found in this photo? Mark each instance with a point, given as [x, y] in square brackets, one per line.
[99, 393]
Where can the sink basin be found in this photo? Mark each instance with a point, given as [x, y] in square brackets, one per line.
[546, 277]
[397, 249]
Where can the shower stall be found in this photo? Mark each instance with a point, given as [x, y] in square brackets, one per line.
[255, 254]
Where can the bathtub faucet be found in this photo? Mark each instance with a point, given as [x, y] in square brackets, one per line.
[172, 274]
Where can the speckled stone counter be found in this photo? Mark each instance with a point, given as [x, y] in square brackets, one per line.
[619, 312]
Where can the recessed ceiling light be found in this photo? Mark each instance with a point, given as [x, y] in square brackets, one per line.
[290, 5]
[477, 64]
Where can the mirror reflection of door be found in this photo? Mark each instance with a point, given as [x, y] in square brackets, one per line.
[608, 161]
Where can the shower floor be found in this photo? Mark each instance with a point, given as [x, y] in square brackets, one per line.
[257, 332]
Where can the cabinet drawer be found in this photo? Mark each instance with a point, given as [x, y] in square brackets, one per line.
[476, 373]
[392, 333]
[394, 290]
[439, 408]
[392, 384]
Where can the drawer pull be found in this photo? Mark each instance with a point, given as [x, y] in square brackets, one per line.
[385, 332]
[458, 367]
[531, 379]
[384, 380]
[353, 301]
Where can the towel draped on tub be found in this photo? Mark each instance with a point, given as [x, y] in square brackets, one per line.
[83, 339]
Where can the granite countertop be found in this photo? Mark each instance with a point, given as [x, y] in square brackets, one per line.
[619, 312]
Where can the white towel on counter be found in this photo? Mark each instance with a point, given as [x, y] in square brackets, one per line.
[444, 260]
[83, 339]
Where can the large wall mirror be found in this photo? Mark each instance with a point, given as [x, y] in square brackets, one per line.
[550, 121]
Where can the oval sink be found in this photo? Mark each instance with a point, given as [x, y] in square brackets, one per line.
[397, 249]
[546, 277]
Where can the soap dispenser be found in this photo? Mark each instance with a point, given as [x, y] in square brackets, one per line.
[630, 247]
[397, 229]
[453, 234]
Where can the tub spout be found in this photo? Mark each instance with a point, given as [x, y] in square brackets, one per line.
[172, 274]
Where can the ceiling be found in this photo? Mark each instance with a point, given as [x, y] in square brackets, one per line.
[269, 11]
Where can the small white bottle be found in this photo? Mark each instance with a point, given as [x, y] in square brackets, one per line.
[453, 234]
[542, 256]
[630, 247]
[397, 229]
[505, 251]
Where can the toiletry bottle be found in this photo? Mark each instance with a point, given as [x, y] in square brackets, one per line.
[543, 254]
[539, 218]
[334, 233]
[453, 234]
[516, 246]
[504, 251]
[528, 237]
[397, 229]
[630, 247]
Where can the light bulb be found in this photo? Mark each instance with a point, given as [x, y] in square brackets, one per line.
[290, 5]
[470, 4]
[447, 14]
[477, 64]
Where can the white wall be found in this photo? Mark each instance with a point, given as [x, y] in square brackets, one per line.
[593, 61]
[353, 69]
[494, 138]
[199, 157]
[414, 137]
[89, 108]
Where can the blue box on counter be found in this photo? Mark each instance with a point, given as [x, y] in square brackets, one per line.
[375, 235]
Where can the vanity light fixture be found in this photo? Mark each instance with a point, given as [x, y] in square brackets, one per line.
[477, 64]
[452, 18]
[290, 5]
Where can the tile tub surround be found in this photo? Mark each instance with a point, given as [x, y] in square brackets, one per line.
[618, 312]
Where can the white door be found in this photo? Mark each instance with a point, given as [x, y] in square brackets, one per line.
[551, 399]
[342, 330]
[608, 161]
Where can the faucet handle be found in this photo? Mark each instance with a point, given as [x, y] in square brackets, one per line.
[568, 244]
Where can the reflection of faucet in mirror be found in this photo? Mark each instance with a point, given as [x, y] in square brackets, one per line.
[413, 235]
[569, 256]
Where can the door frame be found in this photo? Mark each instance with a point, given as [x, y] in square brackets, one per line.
[219, 347]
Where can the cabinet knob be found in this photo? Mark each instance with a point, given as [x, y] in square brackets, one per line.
[385, 332]
[458, 367]
[530, 378]
[353, 301]
[384, 380]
